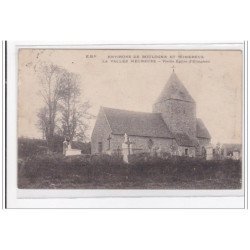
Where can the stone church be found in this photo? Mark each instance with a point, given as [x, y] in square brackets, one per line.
[172, 127]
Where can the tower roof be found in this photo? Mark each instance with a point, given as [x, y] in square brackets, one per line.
[174, 89]
[201, 130]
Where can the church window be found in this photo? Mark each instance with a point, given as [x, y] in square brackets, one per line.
[99, 147]
[186, 151]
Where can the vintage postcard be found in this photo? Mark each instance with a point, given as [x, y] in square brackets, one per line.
[130, 118]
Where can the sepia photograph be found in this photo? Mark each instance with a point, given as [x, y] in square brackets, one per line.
[124, 125]
[160, 119]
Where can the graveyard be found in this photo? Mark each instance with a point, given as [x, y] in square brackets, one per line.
[70, 168]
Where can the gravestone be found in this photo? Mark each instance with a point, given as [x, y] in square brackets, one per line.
[209, 152]
[109, 151]
[236, 155]
[65, 146]
[71, 151]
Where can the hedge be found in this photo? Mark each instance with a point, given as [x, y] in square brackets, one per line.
[105, 168]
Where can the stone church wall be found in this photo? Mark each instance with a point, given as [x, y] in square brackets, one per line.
[100, 134]
[140, 144]
[180, 116]
[191, 151]
[116, 141]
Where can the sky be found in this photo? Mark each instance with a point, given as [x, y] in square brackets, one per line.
[133, 79]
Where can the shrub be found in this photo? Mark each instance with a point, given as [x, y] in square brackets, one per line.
[112, 169]
[140, 158]
[29, 147]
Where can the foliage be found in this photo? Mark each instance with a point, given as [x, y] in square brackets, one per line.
[51, 83]
[57, 145]
[28, 147]
[110, 171]
[62, 112]
[85, 147]
[74, 114]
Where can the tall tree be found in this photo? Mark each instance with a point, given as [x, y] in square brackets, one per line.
[74, 113]
[50, 77]
[43, 123]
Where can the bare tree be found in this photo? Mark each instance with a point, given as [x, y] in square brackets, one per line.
[43, 123]
[74, 113]
[50, 77]
[63, 112]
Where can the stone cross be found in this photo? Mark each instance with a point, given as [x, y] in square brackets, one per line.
[126, 149]
[128, 142]
[109, 139]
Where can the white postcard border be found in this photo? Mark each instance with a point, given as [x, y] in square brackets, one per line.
[101, 198]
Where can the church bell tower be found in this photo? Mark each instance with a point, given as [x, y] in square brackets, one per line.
[177, 107]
